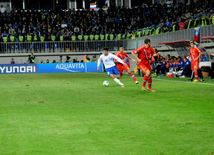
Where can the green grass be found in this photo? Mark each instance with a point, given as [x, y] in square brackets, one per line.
[75, 114]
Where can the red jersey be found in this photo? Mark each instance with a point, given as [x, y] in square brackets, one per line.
[194, 52]
[121, 56]
[181, 25]
[144, 53]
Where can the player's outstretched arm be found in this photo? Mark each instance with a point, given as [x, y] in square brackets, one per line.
[98, 64]
[135, 55]
[131, 59]
[154, 55]
[119, 60]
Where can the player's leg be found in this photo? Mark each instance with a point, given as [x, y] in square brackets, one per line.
[200, 75]
[147, 73]
[150, 80]
[116, 76]
[196, 67]
[196, 75]
[192, 74]
[127, 69]
[120, 69]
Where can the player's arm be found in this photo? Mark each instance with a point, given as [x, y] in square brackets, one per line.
[155, 54]
[115, 59]
[136, 57]
[98, 64]
[199, 54]
[131, 59]
[119, 60]
[134, 53]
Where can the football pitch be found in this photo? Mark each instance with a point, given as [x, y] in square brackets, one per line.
[74, 113]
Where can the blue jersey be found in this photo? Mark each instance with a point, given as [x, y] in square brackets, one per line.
[163, 64]
[204, 58]
[170, 65]
[181, 64]
[175, 64]
[188, 63]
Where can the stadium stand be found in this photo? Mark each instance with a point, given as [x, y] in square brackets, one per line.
[61, 25]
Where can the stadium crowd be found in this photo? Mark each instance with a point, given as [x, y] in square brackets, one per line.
[18, 25]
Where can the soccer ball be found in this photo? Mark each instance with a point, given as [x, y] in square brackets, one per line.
[106, 83]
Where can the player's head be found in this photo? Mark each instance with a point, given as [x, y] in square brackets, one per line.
[105, 50]
[147, 41]
[168, 56]
[121, 48]
[185, 59]
[163, 59]
[178, 59]
[192, 44]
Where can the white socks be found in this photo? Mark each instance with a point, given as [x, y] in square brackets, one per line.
[117, 81]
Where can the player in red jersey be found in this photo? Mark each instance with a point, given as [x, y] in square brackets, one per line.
[121, 54]
[195, 54]
[143, 58]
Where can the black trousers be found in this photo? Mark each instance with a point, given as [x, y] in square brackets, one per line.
[200, 75]
[187, 71]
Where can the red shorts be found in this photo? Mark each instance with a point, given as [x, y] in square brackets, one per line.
[144, 67]
[194, 65]
[121, 68]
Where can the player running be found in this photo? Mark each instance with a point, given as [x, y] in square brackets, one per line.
[195, 54]
[144, 52]
[121, 54]
[111, 69]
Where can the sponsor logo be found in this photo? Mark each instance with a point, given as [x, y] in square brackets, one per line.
[10, 69]
[70, 66]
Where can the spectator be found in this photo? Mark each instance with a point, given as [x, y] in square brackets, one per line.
[94, 59]
[8, 8]
[4, 34]
[12, 61]
[41, 62]
[198, 21]
[168, 23]
[76, 29]
[2, 9]
[181, 25]
[191, 22]
[47, 61]
[76, 60]
[31, 58]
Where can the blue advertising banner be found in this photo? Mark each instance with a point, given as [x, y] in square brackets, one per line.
[68, 67]
[92, 67]
[18, 68]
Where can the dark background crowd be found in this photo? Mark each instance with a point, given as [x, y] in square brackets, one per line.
[58, 24]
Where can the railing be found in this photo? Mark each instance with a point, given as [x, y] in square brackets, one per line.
[65, 46]
[97, 46]
[187, 34]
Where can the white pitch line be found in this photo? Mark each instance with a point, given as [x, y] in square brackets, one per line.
[210, 84]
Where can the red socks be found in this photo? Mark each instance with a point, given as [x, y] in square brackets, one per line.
[133, 77]
[145, 80]
[150, 83]
[196, 75]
